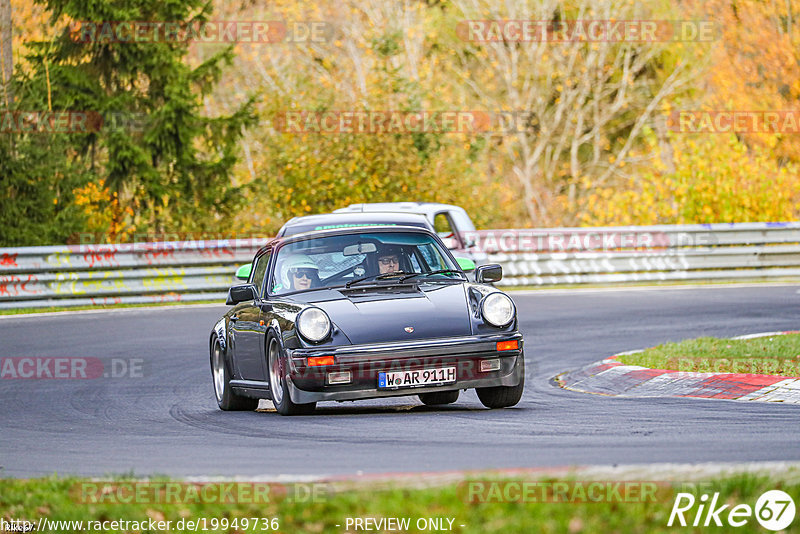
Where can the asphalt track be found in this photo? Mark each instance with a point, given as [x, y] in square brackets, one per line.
[167, 422]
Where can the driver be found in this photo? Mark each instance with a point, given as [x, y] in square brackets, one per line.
[389, 260]
[299, 272]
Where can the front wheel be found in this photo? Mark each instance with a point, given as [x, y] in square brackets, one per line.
[226, 399]
[503, 396]
[278, 385]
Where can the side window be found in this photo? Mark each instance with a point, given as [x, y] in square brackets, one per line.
[442, 224]
[443, 227]
[260, 270]
[432, 257]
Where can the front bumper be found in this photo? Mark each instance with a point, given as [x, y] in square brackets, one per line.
[364, 362]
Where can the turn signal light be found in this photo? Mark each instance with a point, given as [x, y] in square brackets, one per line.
[320, 360]
[508, 345]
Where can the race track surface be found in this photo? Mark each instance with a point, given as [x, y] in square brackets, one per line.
[167, 422]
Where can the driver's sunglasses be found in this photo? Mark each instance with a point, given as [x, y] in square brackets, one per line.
[389, 260]
[303, 273]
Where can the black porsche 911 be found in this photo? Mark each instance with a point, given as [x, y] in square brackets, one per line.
[361, 313]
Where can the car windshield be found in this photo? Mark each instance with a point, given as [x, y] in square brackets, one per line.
[344, 260]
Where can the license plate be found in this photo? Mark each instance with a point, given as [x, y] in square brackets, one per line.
[417, 377]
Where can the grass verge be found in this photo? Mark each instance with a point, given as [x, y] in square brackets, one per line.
[24, 311]
[773, 355]
[317, 511]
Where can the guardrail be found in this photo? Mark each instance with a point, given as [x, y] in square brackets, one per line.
[203, 270]
[81, 275]
[643, 253]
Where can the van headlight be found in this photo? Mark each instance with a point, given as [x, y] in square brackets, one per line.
[313, 324]
[497, 309]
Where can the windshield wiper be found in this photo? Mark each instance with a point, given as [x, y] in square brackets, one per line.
[440, 271]
[383, 276]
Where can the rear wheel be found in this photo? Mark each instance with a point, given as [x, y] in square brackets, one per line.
[226, 399]
[439, 397]
[278, 385]
[503, 396]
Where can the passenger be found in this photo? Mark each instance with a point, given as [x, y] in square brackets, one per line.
[299, 272]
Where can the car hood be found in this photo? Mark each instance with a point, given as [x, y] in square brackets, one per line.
[383, 314]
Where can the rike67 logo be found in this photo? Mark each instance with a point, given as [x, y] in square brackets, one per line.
[774, 510]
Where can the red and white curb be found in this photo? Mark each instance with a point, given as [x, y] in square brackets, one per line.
[612, 378]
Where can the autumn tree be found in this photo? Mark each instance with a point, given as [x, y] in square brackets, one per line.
[755, 65]
[584, 102]
[716, 178]
[165, 160]
[6, 54]
[375, 55]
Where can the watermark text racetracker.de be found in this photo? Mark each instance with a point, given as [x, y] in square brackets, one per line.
[558, 240]
[561, 491]
[216, 31]
[69, 122]
[70, 368]
[170, 492]
[581, 30]
[734, 121]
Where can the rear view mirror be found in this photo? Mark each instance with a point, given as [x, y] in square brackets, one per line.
[241, 293]
[488, 273]
[360, 248]
[243, 272]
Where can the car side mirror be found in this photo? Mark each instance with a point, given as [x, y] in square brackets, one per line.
[241, 293]
[243, 272]
[489, 273]
[466, 264]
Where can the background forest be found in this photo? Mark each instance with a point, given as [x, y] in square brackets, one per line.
[196, 149]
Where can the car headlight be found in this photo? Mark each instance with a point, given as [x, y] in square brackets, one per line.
[313, 324]
[497, 309]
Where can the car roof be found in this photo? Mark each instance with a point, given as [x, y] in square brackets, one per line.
[428, 208]
[325, 221]
[343, 230]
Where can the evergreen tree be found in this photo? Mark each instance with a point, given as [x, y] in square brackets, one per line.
[156, 150]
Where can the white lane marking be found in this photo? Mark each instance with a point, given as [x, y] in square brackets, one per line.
[762, 334]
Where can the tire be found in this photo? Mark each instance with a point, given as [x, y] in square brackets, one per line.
[503, 396]
[278, 386]
[221, 378]
[439, 397]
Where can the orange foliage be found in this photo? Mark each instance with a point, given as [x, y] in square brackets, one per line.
[756, 63]
[31, 22]
[105, 216]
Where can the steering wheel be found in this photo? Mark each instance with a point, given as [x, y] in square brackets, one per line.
[340, 276]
